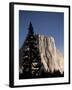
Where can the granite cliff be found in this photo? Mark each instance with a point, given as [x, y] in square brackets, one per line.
[51, 58]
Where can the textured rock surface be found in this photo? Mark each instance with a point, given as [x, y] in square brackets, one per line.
[51, 58]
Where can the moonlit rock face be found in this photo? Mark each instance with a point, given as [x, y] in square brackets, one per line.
[51, 58]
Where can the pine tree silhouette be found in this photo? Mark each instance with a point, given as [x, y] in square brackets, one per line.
[30, 55]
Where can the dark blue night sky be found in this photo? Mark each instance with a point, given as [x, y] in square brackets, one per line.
[44, 23]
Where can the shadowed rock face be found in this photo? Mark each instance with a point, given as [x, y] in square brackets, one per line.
[51, 57]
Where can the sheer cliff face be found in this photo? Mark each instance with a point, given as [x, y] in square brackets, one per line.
[51, 58]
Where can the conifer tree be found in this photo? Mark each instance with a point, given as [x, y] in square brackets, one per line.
[31, 56]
